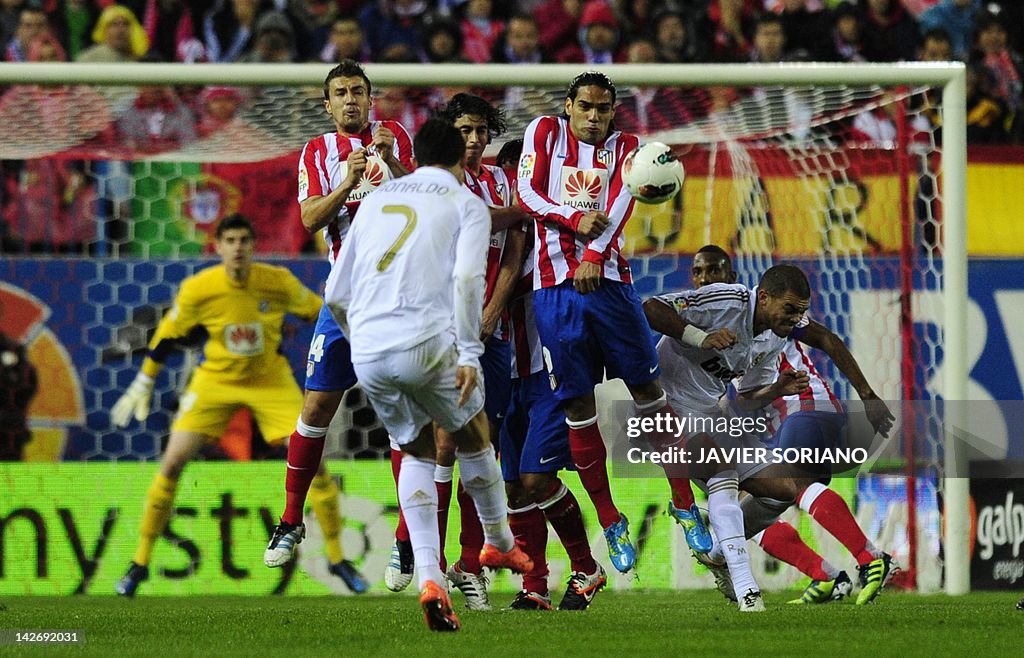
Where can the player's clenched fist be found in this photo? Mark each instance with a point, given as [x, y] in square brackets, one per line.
[791, 382]
[384, 144]
[719, 339]
[134, 403]
[592, 224]
[356, 166]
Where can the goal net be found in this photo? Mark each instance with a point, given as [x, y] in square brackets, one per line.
[110, 192]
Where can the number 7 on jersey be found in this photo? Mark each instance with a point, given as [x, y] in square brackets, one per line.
[410, 224]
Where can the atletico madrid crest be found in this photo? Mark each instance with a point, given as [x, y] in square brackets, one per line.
[604, 156]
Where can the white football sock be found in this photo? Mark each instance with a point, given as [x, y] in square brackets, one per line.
[482, 480]
[417, 494]
[727, 520]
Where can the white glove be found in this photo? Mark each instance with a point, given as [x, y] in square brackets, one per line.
[135, 402]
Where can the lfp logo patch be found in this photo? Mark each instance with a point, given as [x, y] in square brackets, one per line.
[526, 164]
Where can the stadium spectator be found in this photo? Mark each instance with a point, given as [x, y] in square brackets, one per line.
[73, 22]
[480, 29]
[9, 12]
[49, 202]
[18, 385]
[345, 41]
[312, 21]
[644, 110]
[558, 22]
[733, 23]
[847, 34]
[676, 38]
[957, 18]
[769, 43]
[218, 107]
[890, 32]
[158, 121]
[228, 28]
[442, 42]
[637, 16]
[936, 46]
[171, 28]
[390, 23]
[988, 121]
[597, 39]
[32, 21]
[1004, 67]
[520, 44]
[806, 30]
[118, 37]
[402, 104]
[273, 40]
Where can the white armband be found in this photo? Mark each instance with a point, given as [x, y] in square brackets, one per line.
[693, 336]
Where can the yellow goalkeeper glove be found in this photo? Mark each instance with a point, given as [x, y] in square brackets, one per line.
[135, 401]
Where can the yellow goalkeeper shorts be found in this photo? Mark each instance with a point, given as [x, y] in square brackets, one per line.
[209, 402]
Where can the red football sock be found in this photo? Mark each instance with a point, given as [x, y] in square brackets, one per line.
[472, 535]
[444, 501]
[832, 513]
[563, 513]
[401, 530]
[304, 455]
[682, 495]
[782, 541]
[589, 455]
[531, 535]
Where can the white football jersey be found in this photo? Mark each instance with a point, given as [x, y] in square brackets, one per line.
[413, 267]
[696, 378]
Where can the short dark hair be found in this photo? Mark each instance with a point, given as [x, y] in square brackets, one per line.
[234, 221]
[937, 34]
[715, 250]
[588, 79]
[437, 142]
[780, 279]
[462, 104]
[509, 154]
[348, 68]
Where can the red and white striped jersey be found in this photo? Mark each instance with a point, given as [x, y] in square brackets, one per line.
[817, 397]
[493, 187]
[527, 353]
[560, 178]
[323, 165]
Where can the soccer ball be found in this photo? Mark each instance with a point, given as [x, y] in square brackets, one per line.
[651, 173]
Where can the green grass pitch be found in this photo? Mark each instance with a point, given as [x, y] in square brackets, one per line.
[628, 624]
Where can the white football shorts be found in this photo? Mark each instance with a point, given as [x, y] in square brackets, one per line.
[411, 388]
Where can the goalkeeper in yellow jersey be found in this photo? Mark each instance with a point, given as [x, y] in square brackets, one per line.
[240, 305]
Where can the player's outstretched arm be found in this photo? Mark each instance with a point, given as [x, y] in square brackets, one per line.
[819, 336]
[666, 320]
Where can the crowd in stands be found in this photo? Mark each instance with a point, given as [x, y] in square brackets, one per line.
[988, 36]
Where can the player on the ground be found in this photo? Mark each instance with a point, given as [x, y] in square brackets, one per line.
[415, 337]
[711, 336]
[814, 418]
[588, 315]
[336, 171]
[239, 306]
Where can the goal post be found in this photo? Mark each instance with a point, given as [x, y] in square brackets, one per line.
[949, 77]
